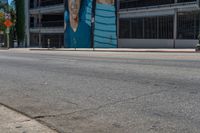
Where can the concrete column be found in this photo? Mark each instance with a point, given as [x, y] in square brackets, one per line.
[40, 38]
[39, 3]
[40, 17]
[35, 3]
[143, 28]
[175, 28]
[27, 23]
[35, 20]
[195, 24]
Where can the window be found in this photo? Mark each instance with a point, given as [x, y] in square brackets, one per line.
[143, 3]
[186, 1]
[150, 28]
[159, 27]
[165, 27]
[137, 28]
[124, 26]
[188, 25]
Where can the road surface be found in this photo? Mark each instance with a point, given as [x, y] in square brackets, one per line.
[102, 92]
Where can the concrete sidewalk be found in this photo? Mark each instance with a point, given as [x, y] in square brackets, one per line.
[14, 122]
[116, 50]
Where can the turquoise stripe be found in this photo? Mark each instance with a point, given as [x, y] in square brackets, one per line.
[106, 16]
[105, 40]
[104, 45]
[107, 7]
[104, 13]
[104, 23]
[105, 34]
[108, 30]
[105, 20]
[105, 27]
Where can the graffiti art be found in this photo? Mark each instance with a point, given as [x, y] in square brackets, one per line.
[78, 22]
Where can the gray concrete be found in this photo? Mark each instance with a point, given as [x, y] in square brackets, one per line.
[157, 43]
[103, 92]
[14, 122]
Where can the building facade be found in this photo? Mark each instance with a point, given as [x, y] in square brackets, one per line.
[44, 23]
[159, 23]
[141, 23]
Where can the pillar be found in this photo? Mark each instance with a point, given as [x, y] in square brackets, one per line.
[175, 28]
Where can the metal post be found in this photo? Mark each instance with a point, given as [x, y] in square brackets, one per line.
[40, 38]
[8, 37]
[175, 28]
[93, 23]
[48, 42]
[117, 3]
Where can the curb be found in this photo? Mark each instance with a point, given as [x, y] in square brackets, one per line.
[4, 49]
[123, 50]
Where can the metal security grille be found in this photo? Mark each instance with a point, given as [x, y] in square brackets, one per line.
[42, 3]
[137, 28]
[186, 1]
[165, 27]
[158, 27]
[125, 28]
[52, 40]
[188, 25]
[150, 27]
[50, 2]
[145, 3]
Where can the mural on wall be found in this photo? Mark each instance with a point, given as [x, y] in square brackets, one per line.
[78, 16]
[77, 23]
[105, 33]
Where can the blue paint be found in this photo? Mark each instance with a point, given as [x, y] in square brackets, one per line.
[105, 27]
[104, 31]
[81, 38]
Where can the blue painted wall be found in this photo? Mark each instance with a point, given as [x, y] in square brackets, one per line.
[81, 38]
[104, 31]
[105, 26]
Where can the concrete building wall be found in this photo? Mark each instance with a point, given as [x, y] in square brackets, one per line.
[156, 43]
[38, 26]
[157, 11]
[145, 43]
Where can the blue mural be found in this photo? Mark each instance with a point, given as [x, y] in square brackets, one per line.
[105, 25]
[78, 23]
[78, 16]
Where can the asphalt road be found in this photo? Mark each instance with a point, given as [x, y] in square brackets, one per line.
[102, 92]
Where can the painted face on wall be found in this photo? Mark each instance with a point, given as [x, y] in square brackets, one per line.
[74, 8]
[105, 1]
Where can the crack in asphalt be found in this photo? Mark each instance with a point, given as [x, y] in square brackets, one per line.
[101, 106]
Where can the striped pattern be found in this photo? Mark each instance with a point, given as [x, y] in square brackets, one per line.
[105, 27]
[86, 12]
